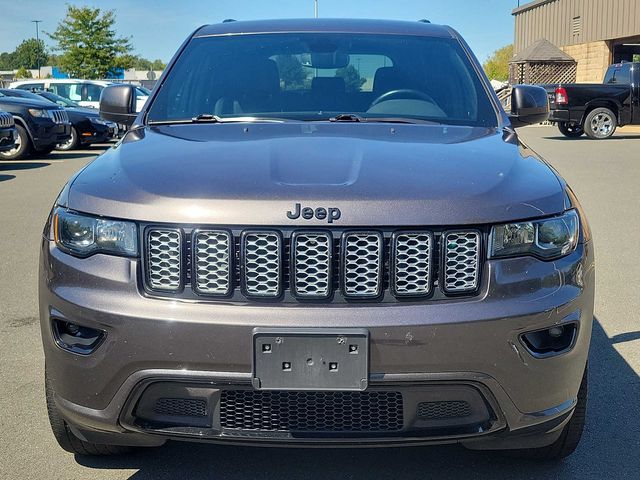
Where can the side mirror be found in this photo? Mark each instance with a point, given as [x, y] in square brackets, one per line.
[529, 105]
[118, 104]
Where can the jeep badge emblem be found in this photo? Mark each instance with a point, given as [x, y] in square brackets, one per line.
[329, 214]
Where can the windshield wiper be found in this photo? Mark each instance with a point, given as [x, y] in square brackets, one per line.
[352, 117]
[210, 118]
[346, 117]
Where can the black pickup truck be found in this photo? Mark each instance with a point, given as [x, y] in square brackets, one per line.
[597, 109]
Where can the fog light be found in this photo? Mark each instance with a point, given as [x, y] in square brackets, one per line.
[76, 338]
[550, 341]
[556, 332]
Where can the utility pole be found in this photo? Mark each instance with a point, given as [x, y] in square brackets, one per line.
[315, 8]
[37, 40]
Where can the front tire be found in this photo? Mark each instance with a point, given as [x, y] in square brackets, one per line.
[70, 144]
[22, 146]
[568, 441]
[570, 130]
[600, 123]
[65, 437]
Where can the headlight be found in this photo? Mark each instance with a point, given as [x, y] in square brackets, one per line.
[83, 235]
[98, 121]
[548, 239]
[39, 113]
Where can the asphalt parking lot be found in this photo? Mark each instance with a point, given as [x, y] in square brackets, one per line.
[605, 176]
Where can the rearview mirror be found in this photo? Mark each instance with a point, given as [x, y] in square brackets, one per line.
[529, 105]
[118, 104]
[332, 60]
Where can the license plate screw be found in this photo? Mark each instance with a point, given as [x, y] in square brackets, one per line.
[342, 340]
[278, 340]
[286, 366]
[353, 349]
[266, 348]
[333, 366]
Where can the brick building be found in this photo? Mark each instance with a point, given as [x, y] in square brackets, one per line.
[595, 33]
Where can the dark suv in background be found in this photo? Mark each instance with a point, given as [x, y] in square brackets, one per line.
[40, 126]
[319, 232]
[86, 125]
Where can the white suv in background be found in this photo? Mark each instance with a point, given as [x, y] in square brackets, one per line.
[86, 93]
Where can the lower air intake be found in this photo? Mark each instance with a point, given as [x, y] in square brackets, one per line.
[182, 407]
[442, 410]
[302, 411]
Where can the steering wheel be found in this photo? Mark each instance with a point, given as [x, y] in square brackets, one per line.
[407, 93]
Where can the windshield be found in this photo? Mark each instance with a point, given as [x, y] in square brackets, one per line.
[316, 76]
[63, 102]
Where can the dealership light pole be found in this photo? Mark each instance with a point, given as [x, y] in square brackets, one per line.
[38, 41]
[315, 8]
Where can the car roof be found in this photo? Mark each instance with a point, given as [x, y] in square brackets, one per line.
[330, 25]
[61, 80]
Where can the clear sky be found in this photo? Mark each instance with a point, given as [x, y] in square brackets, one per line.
[158, 27]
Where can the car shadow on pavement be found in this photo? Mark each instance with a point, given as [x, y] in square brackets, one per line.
[610, 447]
[13, 166]
[4, 178]
[71, 155]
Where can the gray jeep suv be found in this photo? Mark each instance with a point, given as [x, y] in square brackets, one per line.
[318, 232]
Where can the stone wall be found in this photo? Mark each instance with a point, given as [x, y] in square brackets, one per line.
[593, 59]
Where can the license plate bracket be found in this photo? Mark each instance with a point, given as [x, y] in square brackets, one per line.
[310, 359]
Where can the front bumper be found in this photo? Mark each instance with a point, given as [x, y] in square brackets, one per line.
[414, 348]
[46, 133]
[95, 133]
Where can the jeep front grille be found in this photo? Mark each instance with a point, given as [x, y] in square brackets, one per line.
[311, 264]
[362, 264]
[212, 262]
[262, 263]
[60, 116]
[298, 265]
[412, 263]
[6, 120]
[461, 261]
[164, 259]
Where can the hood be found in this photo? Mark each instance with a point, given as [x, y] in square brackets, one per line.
[87, 112]
[29, 103]
[376, 174]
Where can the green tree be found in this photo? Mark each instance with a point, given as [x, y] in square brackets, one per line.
[30, 53]
[497, 65]
[23, 73]
[158, 64]
[7, 61]
[88, 43]
[352, 79]
[292, 73]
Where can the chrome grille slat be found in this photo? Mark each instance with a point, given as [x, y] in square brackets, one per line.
[311, 261]
[60, 116]
[460, 271]
[164, 259]
[362, 264]
[212, 262]
[412, 263]
[6, 120]
[262, 263]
